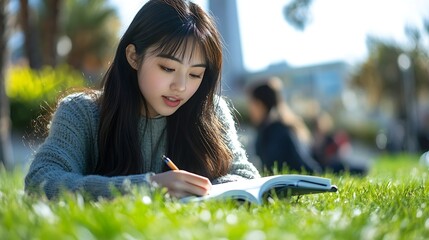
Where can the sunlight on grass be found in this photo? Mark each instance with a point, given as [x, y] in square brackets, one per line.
[390, 203]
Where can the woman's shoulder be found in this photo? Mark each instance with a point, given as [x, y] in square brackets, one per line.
[220, 102]
[223, 108]
[86, 99]
[80, 104]
[86, 96]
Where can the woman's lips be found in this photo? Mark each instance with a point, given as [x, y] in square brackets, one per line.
[171, 101]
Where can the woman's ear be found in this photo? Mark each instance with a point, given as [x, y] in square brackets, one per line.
[132, 56]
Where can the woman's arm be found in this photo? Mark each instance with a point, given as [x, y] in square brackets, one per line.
[241, 168]
[64, 160]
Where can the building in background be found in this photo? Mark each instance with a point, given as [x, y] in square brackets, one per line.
[323, 83]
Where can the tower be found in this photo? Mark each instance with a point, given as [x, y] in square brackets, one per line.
[225, 13]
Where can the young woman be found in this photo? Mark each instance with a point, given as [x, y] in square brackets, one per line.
[283, 139]
[158, 97]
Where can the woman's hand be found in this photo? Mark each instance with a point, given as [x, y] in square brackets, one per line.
[180, 183]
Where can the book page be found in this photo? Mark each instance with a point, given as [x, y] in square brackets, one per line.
[293, 184]
[249, 195]
[245, 190]
[258, 189]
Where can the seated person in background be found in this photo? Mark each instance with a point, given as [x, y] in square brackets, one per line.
[331, 148]
[282, 137]
[326, 143]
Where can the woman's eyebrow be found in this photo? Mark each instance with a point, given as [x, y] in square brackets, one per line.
[180, 61]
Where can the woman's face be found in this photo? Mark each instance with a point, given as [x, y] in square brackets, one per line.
[168, 82]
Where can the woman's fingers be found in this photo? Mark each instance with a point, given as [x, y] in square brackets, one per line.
[196, 180]
[190, 183]
[181, 183]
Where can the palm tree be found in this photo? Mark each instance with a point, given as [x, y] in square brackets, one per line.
[6, 158]
[92, 27]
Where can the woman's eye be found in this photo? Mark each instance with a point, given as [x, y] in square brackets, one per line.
[167, 69]
[195, 75]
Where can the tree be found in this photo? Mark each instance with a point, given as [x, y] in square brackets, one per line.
[6, 158]
[28, 27]
[40, 29]
[297, 13]
[380, 76]
[398, 75]
[92, 27]
[49, 28]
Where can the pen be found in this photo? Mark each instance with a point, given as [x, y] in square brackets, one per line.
[169, 163]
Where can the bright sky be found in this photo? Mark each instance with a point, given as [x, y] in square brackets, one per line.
[338, 29]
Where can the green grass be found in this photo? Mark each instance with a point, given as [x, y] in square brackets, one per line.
[392, 202]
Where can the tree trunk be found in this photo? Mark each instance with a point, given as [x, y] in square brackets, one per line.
[50, 31]
[6, 158]
[30, 36]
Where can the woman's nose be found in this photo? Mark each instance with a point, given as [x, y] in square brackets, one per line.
[179, 83]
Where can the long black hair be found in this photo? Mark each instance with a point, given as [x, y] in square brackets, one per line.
[194, 133]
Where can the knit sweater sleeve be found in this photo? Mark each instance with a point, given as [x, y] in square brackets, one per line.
[240, 167]
[65, 159]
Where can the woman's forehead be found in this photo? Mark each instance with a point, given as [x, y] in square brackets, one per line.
[186, 50]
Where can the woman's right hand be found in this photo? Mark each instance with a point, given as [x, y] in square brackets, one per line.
[180, 183]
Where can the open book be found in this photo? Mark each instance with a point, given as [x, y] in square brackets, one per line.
[260, 190]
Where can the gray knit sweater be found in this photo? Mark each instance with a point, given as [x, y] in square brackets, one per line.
[70, 151]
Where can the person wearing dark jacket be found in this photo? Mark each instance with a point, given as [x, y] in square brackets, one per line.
[282, 139]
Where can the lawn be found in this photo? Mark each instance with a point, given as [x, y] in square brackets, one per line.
[390, 203]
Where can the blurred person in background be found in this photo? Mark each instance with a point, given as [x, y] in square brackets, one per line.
[331, 148]
[282, 139]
